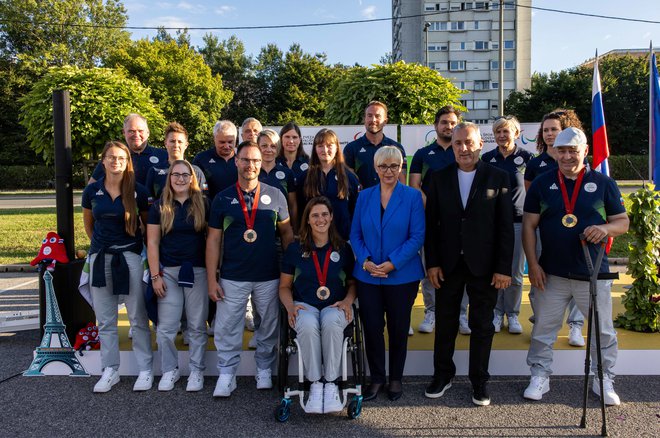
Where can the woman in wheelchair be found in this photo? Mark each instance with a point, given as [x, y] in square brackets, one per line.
[317, 290]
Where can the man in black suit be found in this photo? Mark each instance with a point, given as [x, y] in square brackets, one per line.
[469, 244]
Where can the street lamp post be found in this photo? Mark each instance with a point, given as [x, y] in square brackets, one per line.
[426, 41]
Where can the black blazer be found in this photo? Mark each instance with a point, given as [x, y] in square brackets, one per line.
[483, 231]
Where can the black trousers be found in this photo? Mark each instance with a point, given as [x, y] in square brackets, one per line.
[483, 298]
[378, 302]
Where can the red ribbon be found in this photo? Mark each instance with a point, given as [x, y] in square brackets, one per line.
[322, 275]
[249, 220]
[564, 193]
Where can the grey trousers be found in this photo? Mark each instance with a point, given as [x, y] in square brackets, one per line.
[105, 307]
[170, 308]
[230, 320]
[321, 335]
[550, 307]
[508, 300]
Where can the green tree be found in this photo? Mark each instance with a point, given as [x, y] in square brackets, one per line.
[413, 93]
[47, 33]
[13, 85]
[181, 84]
[624, 83]
[100, 100]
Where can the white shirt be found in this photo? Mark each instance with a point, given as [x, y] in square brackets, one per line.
[465, 180]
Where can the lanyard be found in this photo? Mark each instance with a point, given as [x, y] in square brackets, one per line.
[249, 220]
[564, 193]
[322, 275]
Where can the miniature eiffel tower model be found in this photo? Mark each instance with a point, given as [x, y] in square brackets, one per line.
[55, 345]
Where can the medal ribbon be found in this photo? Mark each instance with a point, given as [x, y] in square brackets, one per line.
[322, 275]
[564, 193]
[249, 220]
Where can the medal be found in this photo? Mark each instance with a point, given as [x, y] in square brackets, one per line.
[322, 293]
[569, 220]
[250, 235]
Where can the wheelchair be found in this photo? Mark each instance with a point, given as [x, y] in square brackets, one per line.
[288, 346]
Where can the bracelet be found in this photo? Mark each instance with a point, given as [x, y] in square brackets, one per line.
[364, 265]
[155, 277]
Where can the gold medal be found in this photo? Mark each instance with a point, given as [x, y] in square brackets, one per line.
[323, 293]
[250, 236]
[569, 220]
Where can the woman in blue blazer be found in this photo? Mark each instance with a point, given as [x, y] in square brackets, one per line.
[387, 234]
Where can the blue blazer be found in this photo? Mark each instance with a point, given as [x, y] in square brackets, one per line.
[398, 237]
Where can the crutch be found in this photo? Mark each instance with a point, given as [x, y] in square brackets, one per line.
[593, 278]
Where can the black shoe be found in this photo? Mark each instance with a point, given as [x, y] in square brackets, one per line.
[395, 391]
[480, 395]
[372, 391]
[437, 387]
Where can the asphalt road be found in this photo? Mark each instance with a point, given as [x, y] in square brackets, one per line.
[32, 201]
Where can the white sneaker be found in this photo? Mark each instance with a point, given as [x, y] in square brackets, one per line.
[331, 400]
[252, 343]
[226, 384]
[210, 330]
[411, 331]
[263, 379]
[109, 378]
[538, 386]
[195, 381]
[168, 380]
[575, 335]
[514, 325]
[186, 337]
[463, 326]
[497, 322]
[611, 397]
[315, 401]
[428, 324]
[144, 381]
[249, 319]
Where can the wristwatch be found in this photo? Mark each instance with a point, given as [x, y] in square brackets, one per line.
[364, 265]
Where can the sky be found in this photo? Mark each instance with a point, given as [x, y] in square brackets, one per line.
[559, 41]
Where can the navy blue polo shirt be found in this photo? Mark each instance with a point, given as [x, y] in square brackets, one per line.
[514, 164]
[299, 167]
[243, 261]
[142, 162]
[182, 243]
[280, 177]
[109, 223]
[220, 173]
[305, 280]
[342, 209]
[157, 180]
[429, 159]
[561, 252]
[538, 165]
[359, 156]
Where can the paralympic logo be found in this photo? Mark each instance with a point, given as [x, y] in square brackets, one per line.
[427, 137]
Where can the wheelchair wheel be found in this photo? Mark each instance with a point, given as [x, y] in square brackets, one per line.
[355, 407]
[359, 373]
[283, 410]
[282, 355]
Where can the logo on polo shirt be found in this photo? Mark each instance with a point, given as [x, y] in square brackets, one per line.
[279, 174]
[304, 166]
[211, 161]
[153, 159]
[518, 160]
[162, 171]
[99, 193]
[334, 256]
[493, 160]
[363, 150]
[590, 187]
[234, 201]
[542, 164]
[432, 153]
[265, 199]
[554, 187]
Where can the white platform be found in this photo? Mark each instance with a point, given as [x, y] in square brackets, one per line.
[418, 363]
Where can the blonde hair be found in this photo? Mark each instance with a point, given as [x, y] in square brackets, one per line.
[273, 136]
[197, 210]
[127, 188]
[510, 122]
[387, 152]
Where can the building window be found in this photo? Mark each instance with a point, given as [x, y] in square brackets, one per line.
[459, 46]
[494, 85]
[507, 5]
[456, 65]
[438, 25]
[481, 6]
[481, 45]
[508, 65]
[460, 85]
[438, 48]
[430, 7]
[481, 85]
[509, 44]
[457, 25]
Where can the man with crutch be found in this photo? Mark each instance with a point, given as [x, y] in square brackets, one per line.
[564, 204]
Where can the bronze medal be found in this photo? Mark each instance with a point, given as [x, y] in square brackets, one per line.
[250, 236]
[323, 293]
[569, 220]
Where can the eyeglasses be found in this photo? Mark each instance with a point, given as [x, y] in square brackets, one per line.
[248, 161]
[117, 159]
[183, 176]
[392, 167]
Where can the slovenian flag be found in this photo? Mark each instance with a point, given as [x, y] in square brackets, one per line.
[654, 119]
[600, 148]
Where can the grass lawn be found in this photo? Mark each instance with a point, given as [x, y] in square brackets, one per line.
[23, 230]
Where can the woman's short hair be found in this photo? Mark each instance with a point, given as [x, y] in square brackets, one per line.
[387, 153]
[175, 127]
[272, 135]
[510, 122]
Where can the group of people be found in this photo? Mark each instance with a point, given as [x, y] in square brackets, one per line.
[260, 224]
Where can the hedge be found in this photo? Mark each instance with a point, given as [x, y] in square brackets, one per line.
[34, 178]
[625, 167]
